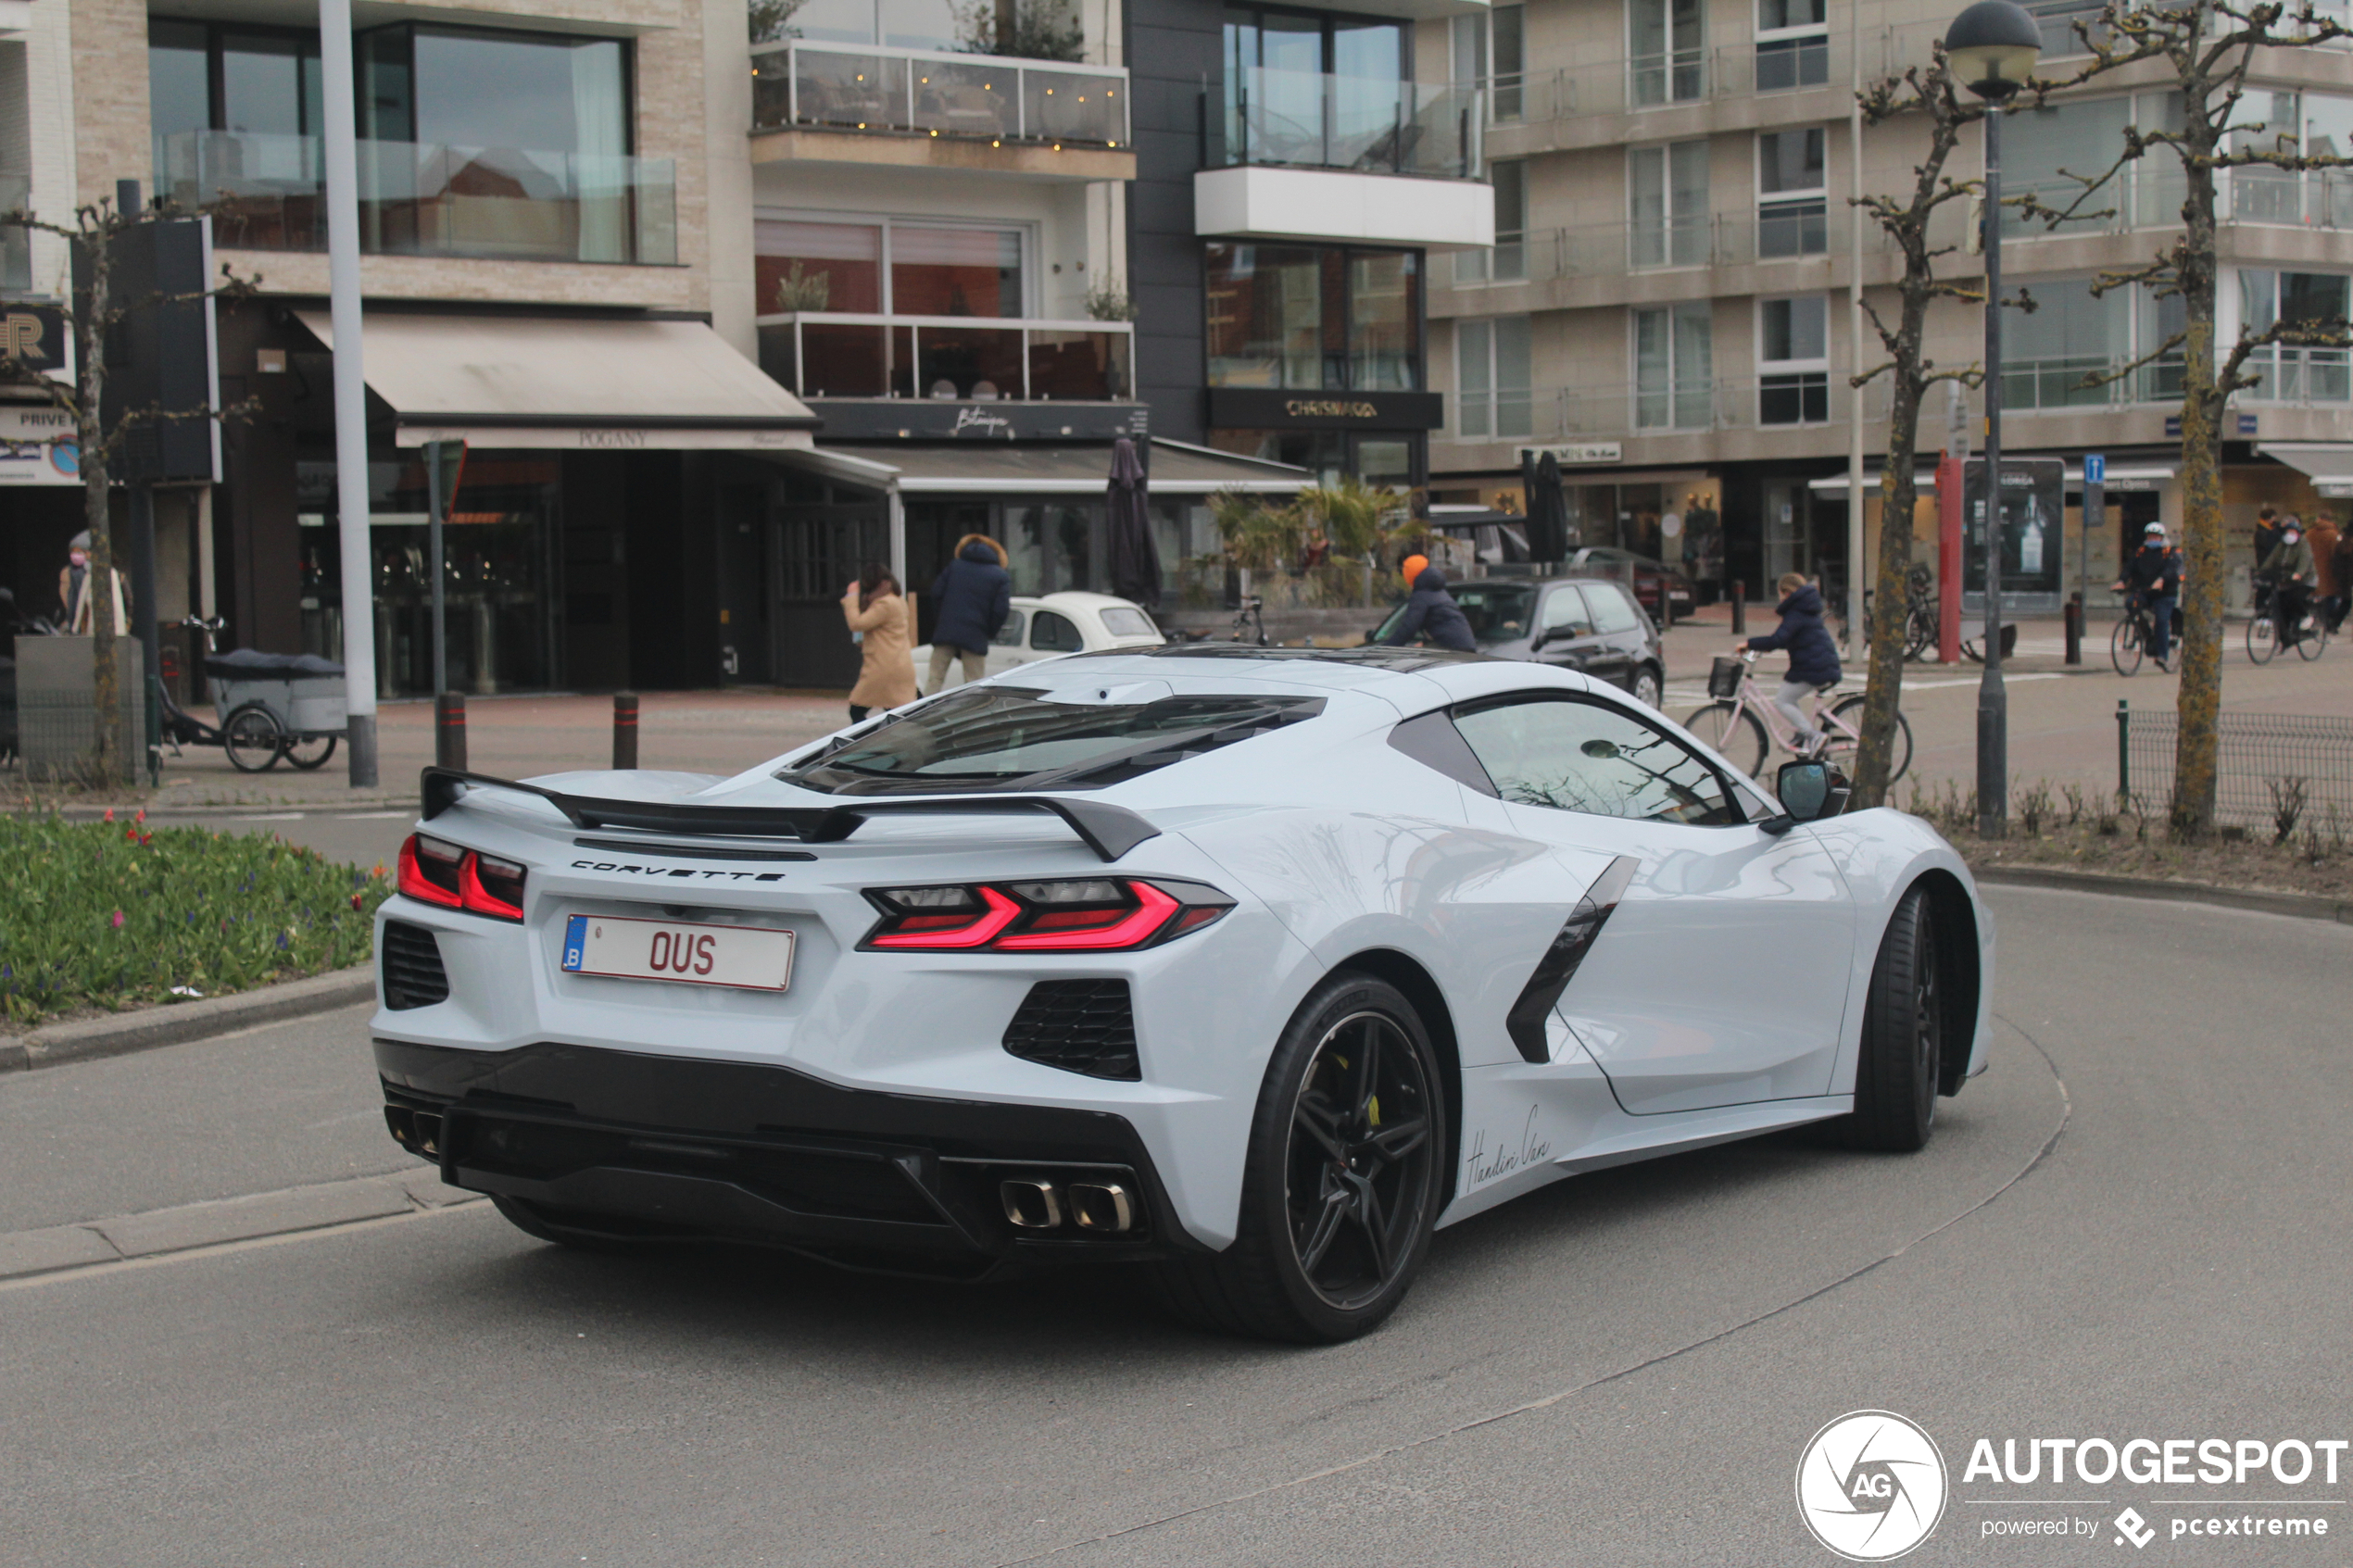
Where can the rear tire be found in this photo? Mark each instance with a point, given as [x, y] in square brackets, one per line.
[1732, 731]
[1903, 1051]
[2313, 641]
[306, 752]
[253, 739]
[1341, 1181]
[1646, 687]
[1841, 751]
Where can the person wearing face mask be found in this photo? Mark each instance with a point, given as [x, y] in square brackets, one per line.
[2289, 570]
[74, 597]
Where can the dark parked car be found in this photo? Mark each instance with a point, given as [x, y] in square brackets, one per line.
[1656, 582]
[1578, 623]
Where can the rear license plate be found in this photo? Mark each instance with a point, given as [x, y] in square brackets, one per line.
[748, 958]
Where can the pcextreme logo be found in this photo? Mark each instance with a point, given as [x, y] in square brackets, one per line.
[1871, 1486]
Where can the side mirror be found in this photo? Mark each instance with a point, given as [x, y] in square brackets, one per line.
[1808, 791]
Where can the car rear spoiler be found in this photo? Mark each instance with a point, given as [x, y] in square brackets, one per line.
[1110, 831]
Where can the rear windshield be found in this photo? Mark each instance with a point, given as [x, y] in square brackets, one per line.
[1497, 611]
[1012, 738]
[1123, 623]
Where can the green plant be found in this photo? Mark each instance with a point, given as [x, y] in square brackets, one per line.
[770, 20]
[1258, 537]
[803, 291]
[112, 913]
[1108, 301]
[1355, 515]
[2034, 808]
[1028, 30]
[2289, 796]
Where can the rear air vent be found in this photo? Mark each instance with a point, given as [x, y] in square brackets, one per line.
[413, 974]
[1078, 1025]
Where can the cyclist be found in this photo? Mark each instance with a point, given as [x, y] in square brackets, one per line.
[2288, 569]
[2153, 578]
[1813, 656]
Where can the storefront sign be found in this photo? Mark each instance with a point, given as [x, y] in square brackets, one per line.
[36, 447]
[1260, 407]
[606, 438]
[911, 419]
[1585, 452]
[35, 336]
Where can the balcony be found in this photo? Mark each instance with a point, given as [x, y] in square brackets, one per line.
[267, 192]
[1768, 409]
[971, 358]
[838, 103]
[1795, 232]
[2034, 386]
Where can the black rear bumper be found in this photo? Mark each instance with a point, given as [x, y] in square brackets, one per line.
[611, 1143]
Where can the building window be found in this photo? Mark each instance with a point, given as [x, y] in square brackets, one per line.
[1493, 368]
[888, 268]
[1666, 205]
[1507, 263]
[1792, 215]
[1315, 318]
[1323, 91]
[902, 24]
[1793, 45]
[1674, 367]
[2308, 123]
[1665, 52]
[2292, 374]
[1490, 54]
[1793, 361]
[2058, 18]
[2076, 333]
[2044, 147]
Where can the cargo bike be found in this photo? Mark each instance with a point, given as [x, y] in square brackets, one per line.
[273, 706]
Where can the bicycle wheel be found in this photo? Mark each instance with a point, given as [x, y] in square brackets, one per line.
[1733, 731]
[2262, 639]
[310, 750]
[2313, 641]
[253, 739]
[1920, 632]
[2124, 645]
[1845, 737]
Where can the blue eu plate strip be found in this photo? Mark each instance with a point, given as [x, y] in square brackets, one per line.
[575, 941]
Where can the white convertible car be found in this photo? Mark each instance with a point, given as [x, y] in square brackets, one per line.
[1049, 625]
[1250, 965]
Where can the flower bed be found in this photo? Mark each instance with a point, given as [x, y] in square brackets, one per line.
[112, 914]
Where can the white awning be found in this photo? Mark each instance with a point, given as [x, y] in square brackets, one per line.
[1004, 468]
[2329, 468]
[589, 384]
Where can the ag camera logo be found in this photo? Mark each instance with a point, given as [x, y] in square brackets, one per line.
[1871, 1486]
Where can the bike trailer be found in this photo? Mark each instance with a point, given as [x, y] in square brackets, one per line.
[1724, 675]
[302, 692]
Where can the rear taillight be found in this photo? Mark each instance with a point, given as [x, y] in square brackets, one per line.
[453, 878]
[1094, 915]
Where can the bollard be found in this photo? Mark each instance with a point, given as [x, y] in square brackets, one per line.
[2123, 753]
[449, 729]
[624, 730]
[1740, 609]
[2073, 614]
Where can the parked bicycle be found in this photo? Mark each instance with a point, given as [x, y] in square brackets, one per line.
[2309, 636]
[1745, 726]
[1253, 615]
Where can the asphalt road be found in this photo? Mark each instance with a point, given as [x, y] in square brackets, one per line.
[2133, 1226]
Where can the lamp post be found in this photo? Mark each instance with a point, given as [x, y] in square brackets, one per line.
[1992, 46]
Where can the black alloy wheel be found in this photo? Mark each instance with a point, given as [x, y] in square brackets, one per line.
[1344, 1177]
[1903, 1048]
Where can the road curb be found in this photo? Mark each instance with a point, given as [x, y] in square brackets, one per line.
[182, 1022]
[2298, 906]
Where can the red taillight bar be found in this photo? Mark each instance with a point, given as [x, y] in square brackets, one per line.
[979, 934]
[469, 894]
[415, 885]
[1017, 918]
[1152, 912]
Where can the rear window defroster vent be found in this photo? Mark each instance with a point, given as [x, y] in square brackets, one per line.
[413, 974]
[1078, 1025]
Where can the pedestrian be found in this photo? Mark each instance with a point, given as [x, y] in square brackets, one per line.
[1317, 550]
[79, 604]
[2289, 570]
[2152, 577]
[974, 595]
[2267, 533]
[1813, 656]
[877, 613]
[2328, 582]
[2343, 556]
[1431, 613]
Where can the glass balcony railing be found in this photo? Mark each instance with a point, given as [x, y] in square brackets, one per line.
[917, 92]
[1793, 400]
[1785, 233]
[16, 245]
[1375, 125]
[267, 192]
[971, 358]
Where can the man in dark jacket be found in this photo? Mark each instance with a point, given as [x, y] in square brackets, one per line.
[2153, 575]
[1813, 656]
[975, 595]
[1432, 615]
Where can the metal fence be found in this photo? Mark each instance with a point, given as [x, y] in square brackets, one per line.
[2265, 757]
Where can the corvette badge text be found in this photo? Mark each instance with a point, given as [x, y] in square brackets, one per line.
[676, 870]
[1873, 1484]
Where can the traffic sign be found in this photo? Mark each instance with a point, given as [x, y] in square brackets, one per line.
[2095, 468]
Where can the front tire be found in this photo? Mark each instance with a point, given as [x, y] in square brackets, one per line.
[253, 739]
[1341, 1181]
[2124, 645]
[1903, 1051]
[2262, 638]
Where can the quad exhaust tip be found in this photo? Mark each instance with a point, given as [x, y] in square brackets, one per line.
[1103, 1207]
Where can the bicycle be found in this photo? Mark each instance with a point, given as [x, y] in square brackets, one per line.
[1739, 723]
[2309, 637]
[2133, 637]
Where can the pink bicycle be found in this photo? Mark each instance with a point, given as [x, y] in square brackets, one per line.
[1745, 726]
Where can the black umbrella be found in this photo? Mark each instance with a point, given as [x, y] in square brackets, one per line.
[1547, 510]
[1135, 562]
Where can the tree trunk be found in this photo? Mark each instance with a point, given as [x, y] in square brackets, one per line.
[1882, 696]
[90, 432]
[2199, 700]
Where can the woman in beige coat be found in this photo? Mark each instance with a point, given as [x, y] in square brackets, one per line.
[876, 610]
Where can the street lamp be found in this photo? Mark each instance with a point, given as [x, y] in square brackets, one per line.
[1993, 47]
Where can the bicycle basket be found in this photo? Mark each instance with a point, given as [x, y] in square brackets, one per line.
[1724, 676]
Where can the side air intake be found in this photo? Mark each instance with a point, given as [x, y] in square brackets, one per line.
[413, 974]
[1078, 1025]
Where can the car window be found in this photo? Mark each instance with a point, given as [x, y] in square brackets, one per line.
[1009, 635]
[1122, 621]
[1565, 613]
[1611, 612]
[1050, 633]
[1577, 756]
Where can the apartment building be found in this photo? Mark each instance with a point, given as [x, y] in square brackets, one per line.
[1666, 306]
